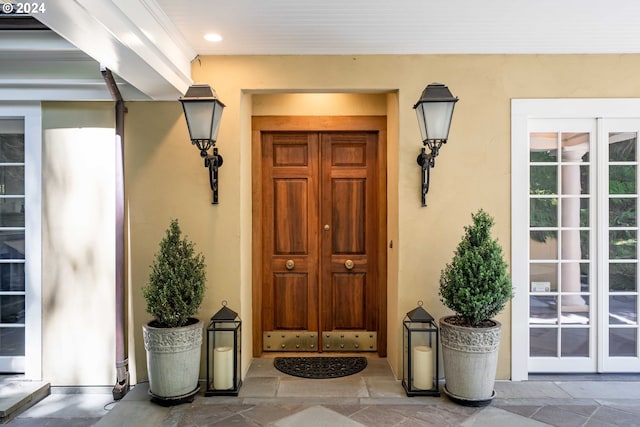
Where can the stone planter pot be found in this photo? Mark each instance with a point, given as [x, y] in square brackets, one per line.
[470, 357]
[173, 362]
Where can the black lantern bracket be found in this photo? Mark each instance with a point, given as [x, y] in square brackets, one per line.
[427, 161]
[212, 162]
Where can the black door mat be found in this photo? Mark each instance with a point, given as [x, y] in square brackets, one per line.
[320, 367]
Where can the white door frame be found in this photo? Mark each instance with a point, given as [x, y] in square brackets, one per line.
[523, 110]
[31, 364]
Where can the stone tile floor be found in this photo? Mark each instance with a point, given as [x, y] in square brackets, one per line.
[372, 398]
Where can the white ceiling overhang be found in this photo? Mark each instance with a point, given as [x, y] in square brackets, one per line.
[132, 38]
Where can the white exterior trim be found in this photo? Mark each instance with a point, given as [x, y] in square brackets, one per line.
[522, 111]
[31, 112]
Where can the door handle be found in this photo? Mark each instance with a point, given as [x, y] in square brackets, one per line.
[290, 264]
[348, 264]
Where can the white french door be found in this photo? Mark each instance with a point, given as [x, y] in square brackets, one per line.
[575, 238]
[20, 237]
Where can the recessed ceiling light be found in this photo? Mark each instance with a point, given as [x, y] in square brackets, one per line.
[213, 37]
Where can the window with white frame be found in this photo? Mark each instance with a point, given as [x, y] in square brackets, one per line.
[20, 238]
[575, 236]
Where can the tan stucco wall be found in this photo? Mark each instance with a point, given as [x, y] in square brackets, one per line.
[165, 177]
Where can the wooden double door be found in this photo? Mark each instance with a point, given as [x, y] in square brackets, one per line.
[321, 281]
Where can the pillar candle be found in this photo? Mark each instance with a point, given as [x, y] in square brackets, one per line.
[422, 367]
[223, 368]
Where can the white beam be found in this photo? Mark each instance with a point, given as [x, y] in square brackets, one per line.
[133, 38]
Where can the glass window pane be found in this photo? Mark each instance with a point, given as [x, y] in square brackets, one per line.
[544, 212]
[623, 309]
[585, 281]
[584, 212]
[623, 342]
[575, 309]
[11, 341]
[12, 212]
[11, 308]
[543, 146]
[622, 146]
[543, 245]
[11, 244]
[574, 342]
[543, 277]
[622, 244]
[542, 156]
[12, 277]
[584, 179]
[11, 148]
[622, 277]
[12, 180]
[543, 342]
[622, 179]
[623, 212]
[543, 309]
[544, 179]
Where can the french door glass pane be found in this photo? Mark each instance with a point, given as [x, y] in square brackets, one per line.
[12, 277]
[543, 277]
[575, 342]
[11, 244]
[543, 309]
[543, 342]
[623, 277]
[623, 212]
[544, 179]
[623, 309]
[622, 179]
[623, 244]
[623, 342]
[543, 212]
[622, 146]
[11, 180]
[11, 147]
[11, 341]
[12, 212]
[12, 309]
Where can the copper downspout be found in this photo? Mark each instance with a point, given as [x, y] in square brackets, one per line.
[122, 382]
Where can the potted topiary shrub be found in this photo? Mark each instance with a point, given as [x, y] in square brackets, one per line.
[173, 339]
[476, 286]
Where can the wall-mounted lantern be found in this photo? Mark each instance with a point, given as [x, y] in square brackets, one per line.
[223, 353]
[434, 110]
[203, 111]
[420, 354]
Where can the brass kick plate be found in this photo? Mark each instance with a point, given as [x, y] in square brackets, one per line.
[289, 341]
[349, 341]
[308, 341]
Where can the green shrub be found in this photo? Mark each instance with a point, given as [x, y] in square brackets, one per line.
[177, 281]
[476, 284]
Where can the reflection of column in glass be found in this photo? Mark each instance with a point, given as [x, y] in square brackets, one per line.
[570, 278]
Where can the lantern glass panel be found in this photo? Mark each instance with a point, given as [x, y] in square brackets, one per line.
[437, 119]
[199, 116]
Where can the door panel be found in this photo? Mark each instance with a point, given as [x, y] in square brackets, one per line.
[320, 238]
[290, 259]
[348, 289]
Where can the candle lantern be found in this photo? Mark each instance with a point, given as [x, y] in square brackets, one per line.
[223, 353]
[420, 354]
